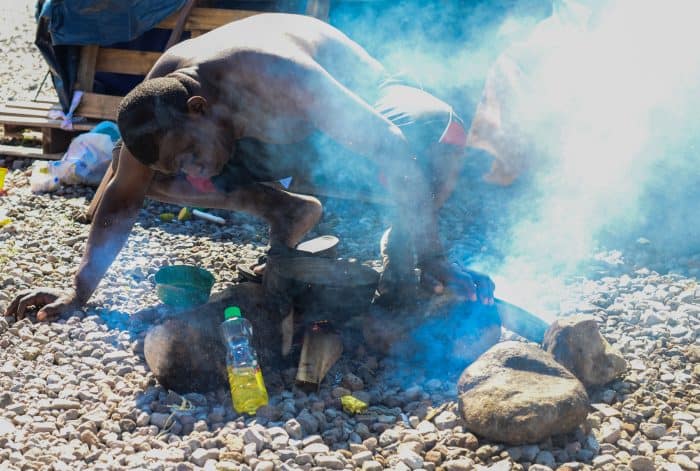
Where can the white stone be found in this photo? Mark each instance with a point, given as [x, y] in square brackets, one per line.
[6, 427]
[602, 460]
[503, 465]
[371, 465]
[43, 427]
[684, 462]
[446, 420]
[641, 463]
[316, 448]
[253, 436]
[426, 427]
[160, 419]
[610, 432]
[688, 431]
[65, 404]
[361, 457]
[329, 462]
[293, 428]
[201, 455]
[412, 459]
[653, 431]
[462, 464]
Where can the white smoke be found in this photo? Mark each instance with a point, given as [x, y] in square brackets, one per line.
[610, 93]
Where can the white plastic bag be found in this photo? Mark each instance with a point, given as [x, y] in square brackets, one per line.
[87, 157]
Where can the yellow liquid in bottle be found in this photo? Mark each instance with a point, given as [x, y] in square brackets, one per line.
[248, 390]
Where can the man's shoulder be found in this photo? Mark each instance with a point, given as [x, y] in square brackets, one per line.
[167, 63]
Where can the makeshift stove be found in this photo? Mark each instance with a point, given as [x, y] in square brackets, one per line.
[304, 310]
[317, 295]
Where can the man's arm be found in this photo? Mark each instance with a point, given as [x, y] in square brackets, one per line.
[110, 228]
[112, 223]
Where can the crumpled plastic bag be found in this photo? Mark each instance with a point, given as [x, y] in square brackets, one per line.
[352, 405]
[87, 157]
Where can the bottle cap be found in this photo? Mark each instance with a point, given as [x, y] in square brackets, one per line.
[231, 312]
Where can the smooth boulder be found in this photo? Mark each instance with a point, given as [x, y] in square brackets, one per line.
[516, 393]
[576, 343]
[186, 355]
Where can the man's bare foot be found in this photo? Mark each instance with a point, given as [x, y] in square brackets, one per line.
[324, 245]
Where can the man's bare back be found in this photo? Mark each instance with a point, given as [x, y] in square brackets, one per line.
[250, 72]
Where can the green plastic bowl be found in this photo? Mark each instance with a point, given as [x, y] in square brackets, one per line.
[183, 285]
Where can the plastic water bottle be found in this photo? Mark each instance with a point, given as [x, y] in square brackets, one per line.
[248, 390]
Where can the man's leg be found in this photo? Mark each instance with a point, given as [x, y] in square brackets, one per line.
[398, 278]
[289, 215]
[426, 121]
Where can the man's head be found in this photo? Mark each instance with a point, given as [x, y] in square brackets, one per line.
[150, 110]
[168, 127]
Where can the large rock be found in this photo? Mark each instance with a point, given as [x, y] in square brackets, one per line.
[576, 343]
[186, 355]
[516, 393]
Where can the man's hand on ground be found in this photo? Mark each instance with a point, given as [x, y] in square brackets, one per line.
[50, 302]
[438, 274]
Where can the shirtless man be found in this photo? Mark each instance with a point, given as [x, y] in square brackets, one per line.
[221, 114]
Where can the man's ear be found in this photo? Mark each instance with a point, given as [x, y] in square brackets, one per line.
[197, 104]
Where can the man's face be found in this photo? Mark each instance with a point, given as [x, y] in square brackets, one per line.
[200, 149]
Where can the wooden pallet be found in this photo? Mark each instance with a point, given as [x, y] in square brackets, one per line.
[17, 116]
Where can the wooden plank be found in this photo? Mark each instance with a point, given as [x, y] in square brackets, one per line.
[18, 132]
[92, 105]
[86, 69]
[207, 18]
[97, 106]
[27, 152]
[34, 105]
[123, 61]
[6, 110]
[32, 122]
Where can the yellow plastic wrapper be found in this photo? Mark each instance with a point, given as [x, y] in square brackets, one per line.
[3, 173]
[353, 405]
[184, 214]
[167, 217]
